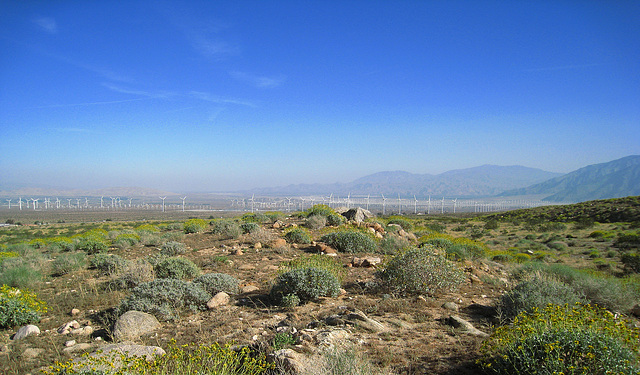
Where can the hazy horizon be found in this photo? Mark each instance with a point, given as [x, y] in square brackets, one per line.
[215, 96]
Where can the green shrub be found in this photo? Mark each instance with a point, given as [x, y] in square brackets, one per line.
[226, 228]
[214, 283]
[406, 224]
[627, 240]
[19, 307]
[306, 283]
[173, 248]
[166, 298]
[133, 274]
[109, 264]
[7, 254]
[68, 262]
[282, 340]
[194, 226]
[316, 222]
[568, 339]
[320, 209]
[298, 235]
[19, 273]
[57, 244]
[250, 227]
[335, 219]
[420, 271]
[324, 262]
[149, 228]
[290, 300]
[350, 241]
[536, 293]
[92, 245]
[631, 261]
[254, 217]
[176, 268]
[391, 244]
[127, 239]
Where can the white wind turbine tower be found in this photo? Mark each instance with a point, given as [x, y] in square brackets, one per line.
[163, 198]
[384, 203]
[20, 202]
[252, 202]
[302, 204]
[57, 202]
[35, 203]
[454, 205]
[113, 202]
[368, 195]
[442, 206]
[101, 198]
[86, 202]
[348, 200]
[27, 200]
[9, 200]
[78, 203]
[288, 204]
[399, 204]
[69, 202]
[415, 205]
[130, 199]
[183, 199]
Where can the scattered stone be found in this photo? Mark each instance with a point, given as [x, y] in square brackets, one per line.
[451, 306]
[278, 224]
[358, 214]
[250, 289]
[334, 320]
[132, 324]
[81, 347]
[70, 343]
[290, 360]
[246, 267]
[366, 261]
[74, 312]
[328, 339]
[237, 252]
[25, 331]
[32, 353]
[220, 299]
[257, 245]
[66, 328]
[278, 242]
[360, 319]
[457, 322]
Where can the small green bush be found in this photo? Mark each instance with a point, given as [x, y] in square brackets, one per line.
[324, 262]
[173, 248]
[350, 241]
[306, 283]
[249, 227]
[420, 271]
[568, 339]
[225, 228]
[108, 264]
[254, 217]
[335, 219]
[176, 268]
[320, 209]
[166, 298]
[19, 307]
[92, 245]
[536, 293]
[194, 226]
[19, 273]
[631, 261]
[133, 274]
[316, 222]
[391, 244]
[68, 262]
[298, 235]
[214, 283]
[406, 224]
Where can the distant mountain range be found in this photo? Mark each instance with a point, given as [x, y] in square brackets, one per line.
[486, 180]
[615, 179]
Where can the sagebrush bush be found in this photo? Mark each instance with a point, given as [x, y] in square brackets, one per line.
[306, 283]
[194, 226]
[108, 264]
[68, 262]
[298, 235]
[254, 217]
[173, 248]
[166, 298]
[350, 241]
[249, 227]
[316, 222]
[20, 273]
[92, 245]
[133, 274]
[19, 307]
[320, 209]
[420, 271]
[214, 283]
[568, 339]
[390, 244]
[225, 228]
[324, 262]
[405, 223]
[335, 219]
[176, 268]
[536, 292]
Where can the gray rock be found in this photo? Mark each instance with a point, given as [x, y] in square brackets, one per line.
[132, 324]
[66, 328]
[76, 348]
[360, 319]
[451, 306]
[32, 353]
[25, 331]
[358, 214]
[457, 322]
[290, 360]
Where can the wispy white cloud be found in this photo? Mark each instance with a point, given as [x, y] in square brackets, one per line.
[47, 24]
[212, 47]
[208, 97]
[258, 81]
[149, 94]
[562, 67]
[88, 103]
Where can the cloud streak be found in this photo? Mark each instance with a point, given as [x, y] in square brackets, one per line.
[47, 24]
[263, 82]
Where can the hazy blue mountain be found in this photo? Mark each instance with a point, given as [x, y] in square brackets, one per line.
[485, 180]
[615, 179]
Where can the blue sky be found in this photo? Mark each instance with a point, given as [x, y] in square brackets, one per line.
[219, 95]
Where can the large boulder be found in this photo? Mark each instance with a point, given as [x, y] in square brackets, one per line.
[357, 214]
[25, 331]
[132, 324]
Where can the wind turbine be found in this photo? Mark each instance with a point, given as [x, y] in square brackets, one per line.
[20, 202]
[86, 202]
[399, 204]
[69, 202]
[101, 206]
[442, 206]
[9, 200]
[415, 205]
[252, 202]
[57, 202]
[78, 203]
[348, 200]
[302, 204]
[130, 199]
[384, 203]
[429, 206]
[368, 195]
[35, 203]
[183, 199]
[454, 205]
[163, 198]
